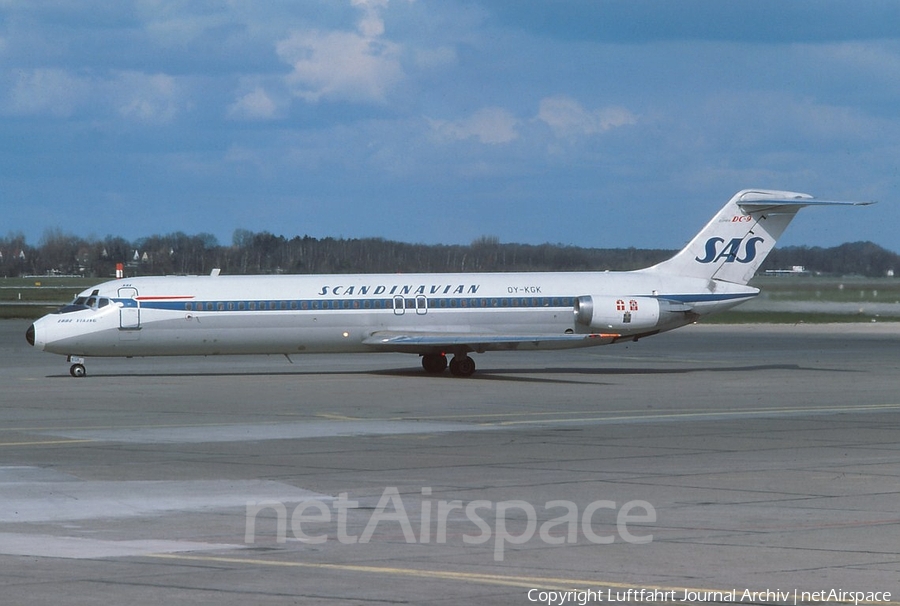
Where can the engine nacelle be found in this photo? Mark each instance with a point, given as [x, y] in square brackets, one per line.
[627, 314]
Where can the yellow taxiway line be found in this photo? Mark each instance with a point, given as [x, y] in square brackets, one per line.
[529, 582]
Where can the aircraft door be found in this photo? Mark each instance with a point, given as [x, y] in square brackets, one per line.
[130, 312]
[421, 305]
[399, 305]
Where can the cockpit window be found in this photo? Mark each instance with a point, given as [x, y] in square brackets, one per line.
[76, 305]
[82, 303]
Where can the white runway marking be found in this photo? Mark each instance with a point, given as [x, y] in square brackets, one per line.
[55, 501]
[47, 546]
[196, 434]
[255, 432]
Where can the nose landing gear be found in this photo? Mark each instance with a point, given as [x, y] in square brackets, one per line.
[77, 369]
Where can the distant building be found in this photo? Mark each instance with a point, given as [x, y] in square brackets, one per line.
[795, 270]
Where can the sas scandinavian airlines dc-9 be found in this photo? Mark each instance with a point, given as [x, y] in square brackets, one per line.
[431, 315]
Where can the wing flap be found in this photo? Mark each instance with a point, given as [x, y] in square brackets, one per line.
[426, 342]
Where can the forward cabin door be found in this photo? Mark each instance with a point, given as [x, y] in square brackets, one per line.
[130, 312]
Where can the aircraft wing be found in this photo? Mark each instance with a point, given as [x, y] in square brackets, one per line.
[428, 342]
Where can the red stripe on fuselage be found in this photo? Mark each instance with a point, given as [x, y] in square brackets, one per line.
[163, 298]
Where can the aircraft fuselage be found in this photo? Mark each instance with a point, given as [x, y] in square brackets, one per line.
[211, 315]
[427, 314]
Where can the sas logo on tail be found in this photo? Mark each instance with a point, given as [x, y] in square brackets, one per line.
[731, 251]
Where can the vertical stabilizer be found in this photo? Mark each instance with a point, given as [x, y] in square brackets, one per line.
[737, 240]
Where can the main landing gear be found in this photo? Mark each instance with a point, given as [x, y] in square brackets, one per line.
[434, 363]
[460, 366]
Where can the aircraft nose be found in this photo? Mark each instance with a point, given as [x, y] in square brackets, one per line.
[29, 335]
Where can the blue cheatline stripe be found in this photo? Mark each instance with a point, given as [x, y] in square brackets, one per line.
[409, 303]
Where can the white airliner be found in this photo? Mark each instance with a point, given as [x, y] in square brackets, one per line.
[431, 315]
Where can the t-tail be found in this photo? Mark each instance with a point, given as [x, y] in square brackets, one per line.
[734, 244]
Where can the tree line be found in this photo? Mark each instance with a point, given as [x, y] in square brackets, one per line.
[266, 253]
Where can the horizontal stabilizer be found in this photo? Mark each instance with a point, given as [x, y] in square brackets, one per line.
[763, 205]
[760, 200]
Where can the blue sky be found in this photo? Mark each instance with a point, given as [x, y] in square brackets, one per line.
[582, 122]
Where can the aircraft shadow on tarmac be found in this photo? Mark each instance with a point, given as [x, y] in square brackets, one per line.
[516, 374]
[495, 374]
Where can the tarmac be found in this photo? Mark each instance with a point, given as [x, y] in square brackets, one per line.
[711, 464]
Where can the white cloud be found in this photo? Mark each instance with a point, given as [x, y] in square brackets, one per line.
[358, 66]
[874, 59]
[568, 118]
[435, 57]
[755, 121]
[255, 105]
[171, 25]
[371, 25]
[149, 98]
[490, 125]
[47, 91]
